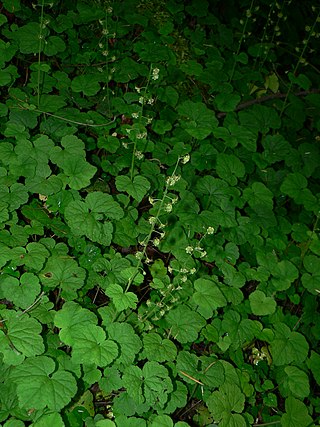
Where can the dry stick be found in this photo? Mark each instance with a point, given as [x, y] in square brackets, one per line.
[247, 104]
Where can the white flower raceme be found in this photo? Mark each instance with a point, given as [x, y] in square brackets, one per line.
[155, 74]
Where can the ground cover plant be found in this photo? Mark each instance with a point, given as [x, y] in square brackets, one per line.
[159, 208]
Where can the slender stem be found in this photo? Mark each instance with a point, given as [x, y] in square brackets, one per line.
[151, 229]
[39, 54]
[241, 40]
[298, 63]
[273, 423]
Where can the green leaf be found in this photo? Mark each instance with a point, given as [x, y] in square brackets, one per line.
[284, 274]
[260, 304]
[239, 331]
[258, 196]
[227, 101]
[130, 344]
[296, 414]
[314, 365]
[12, 6]
[161, 126]
[137, 188]
[288, 346]
[208, 297]
[48, 420]
[15, 196]
[22, 336]
[297, 382]
[28, 37]
[157, 349]
[293, 185]
[40, 385]
[64, 273]
[260, 119]
[162, 421]
[54, 45]
[71, 159]
[122, 300]
[86, 83]
[93, 347]
[84, 221]
[151, 384]
[197, 119]
[223, 405]
[229, 168]
[185, 323]
[22, 293]
[5, 78]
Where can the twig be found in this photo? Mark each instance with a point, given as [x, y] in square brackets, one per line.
[247, 104]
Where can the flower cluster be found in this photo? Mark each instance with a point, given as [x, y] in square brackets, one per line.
[155, 74]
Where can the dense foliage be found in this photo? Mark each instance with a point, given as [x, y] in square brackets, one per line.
[160, 198]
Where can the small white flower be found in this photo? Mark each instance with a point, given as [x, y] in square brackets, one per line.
[150, 101]
[138, 89]
[155, 74]
[142, 135]
[203, 254]
[184, 279]
[114, 134]
[210, 230]
[185, 159]
[168, 207]
[152, 220]
[192, 271]
[156, 241]
[139, 255]
[141, 100]
[139, 155]
[189, 249]
[135, 115]
[171, 180]
[183, 270]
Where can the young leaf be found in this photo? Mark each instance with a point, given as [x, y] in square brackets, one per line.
[40, 385]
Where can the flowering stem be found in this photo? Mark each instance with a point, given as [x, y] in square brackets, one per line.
[153, 224]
